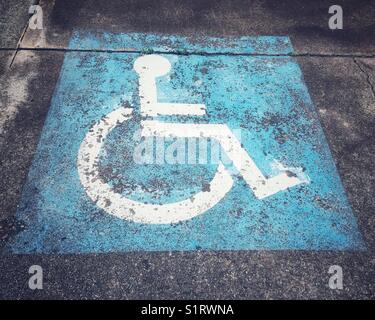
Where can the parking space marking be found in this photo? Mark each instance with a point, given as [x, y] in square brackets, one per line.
[273, 186]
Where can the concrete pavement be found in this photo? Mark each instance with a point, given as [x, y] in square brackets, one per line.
[338, 68]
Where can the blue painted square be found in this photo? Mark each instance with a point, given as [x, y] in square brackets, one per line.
[262, 98]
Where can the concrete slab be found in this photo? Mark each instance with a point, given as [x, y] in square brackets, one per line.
[26, 92]
[256, 275]
[13, 20]
[342, 89]
[343, 95]
[306, 24]
[5, 59]
[344, 101]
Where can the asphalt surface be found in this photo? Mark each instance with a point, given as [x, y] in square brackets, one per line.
[338, 68]
[12, 22]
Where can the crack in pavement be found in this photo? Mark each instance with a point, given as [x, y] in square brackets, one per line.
[198, 53]
[17, 49]
[350, 149]
[366, 75]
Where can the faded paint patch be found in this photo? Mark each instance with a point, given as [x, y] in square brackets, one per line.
[182, 44]
[263, 96]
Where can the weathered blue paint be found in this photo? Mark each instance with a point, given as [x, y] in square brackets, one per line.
[263, 96]
[269, 45]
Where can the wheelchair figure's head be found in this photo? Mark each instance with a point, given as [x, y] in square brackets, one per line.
[152, 65]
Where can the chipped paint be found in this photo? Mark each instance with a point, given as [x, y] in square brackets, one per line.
[148, 43]
[264, 96]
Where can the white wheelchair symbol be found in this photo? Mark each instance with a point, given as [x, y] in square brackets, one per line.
[149, 67]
